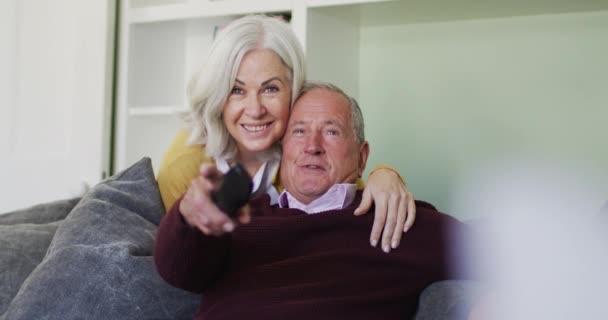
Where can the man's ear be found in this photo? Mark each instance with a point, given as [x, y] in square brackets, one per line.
[363, 154]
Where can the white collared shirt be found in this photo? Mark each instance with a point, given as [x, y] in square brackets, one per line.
[262, 181]
[339, 196]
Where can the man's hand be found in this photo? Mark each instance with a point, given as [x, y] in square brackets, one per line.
[395, 207]
[198, 209]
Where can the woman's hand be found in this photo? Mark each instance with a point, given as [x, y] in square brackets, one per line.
[200, 211]
[395, 207]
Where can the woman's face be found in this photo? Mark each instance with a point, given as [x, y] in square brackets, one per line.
[257, 109]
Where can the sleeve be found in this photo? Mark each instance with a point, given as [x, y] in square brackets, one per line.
[179, 166]
[185, 257]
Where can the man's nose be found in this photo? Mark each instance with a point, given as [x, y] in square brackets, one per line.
[255, 107]
[314, 144]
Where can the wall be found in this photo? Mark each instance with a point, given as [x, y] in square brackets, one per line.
[55, 98]
[463, 105]
[8, 57]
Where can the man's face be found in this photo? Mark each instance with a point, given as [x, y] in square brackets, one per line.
[320, 147]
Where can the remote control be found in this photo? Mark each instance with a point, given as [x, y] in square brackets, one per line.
[234, 192]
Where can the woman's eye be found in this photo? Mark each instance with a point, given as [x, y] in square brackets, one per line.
[298, 131]
[332, 132]
[271, 89]
[236, 90]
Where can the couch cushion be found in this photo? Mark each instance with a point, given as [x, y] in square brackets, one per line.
[25, 236]
[99, 264]
[40, 214]
[22, 247]
[448, 300]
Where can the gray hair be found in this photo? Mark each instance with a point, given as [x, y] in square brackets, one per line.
[355, 110]
[210, 87]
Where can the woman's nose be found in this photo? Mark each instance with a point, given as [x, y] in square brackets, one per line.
[255, 107]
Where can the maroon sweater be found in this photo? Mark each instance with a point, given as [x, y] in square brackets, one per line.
[286, 264]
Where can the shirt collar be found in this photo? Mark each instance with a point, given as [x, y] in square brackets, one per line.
[339, 196]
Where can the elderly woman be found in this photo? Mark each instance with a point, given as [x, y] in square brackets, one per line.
[240, 103]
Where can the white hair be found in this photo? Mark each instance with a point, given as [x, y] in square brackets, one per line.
[210, 87]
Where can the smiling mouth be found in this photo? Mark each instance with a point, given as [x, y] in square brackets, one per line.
[313, 167]
[256, 128]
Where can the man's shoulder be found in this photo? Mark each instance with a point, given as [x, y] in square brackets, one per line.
[429, 220]
[425, 205]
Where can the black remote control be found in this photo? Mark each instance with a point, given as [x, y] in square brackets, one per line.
[234, 191]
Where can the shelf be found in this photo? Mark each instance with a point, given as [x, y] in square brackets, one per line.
[182, 11]
[328, 3]
[432, 11]
[156, 110]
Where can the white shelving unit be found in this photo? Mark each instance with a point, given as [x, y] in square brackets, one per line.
[161, 42]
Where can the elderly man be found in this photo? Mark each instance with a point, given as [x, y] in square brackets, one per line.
[305, 258]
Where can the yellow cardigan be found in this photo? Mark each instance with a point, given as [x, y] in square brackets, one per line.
[181, 164]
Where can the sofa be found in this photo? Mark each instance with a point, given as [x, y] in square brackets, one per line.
[91, 258]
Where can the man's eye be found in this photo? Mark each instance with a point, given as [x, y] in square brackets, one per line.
[297, 131]
[332, 132]
[236, 90]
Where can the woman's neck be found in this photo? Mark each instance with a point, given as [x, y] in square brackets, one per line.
[250, 161]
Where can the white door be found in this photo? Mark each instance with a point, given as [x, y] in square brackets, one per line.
[55, 98]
